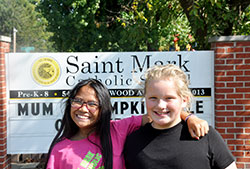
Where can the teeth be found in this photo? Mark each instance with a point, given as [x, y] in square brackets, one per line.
[82, 117]
[161, 113]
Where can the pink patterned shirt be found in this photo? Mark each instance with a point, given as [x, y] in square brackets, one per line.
[82, 154]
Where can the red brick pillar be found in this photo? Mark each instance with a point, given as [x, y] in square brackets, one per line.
[232, 94]
[4, 158]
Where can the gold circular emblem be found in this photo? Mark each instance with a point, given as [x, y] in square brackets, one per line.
[45, 71]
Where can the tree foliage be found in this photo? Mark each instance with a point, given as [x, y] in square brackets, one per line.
[30, 25]
[142, 25]
[209, 18]
[108, 25]
[154, 24]
[73, 23]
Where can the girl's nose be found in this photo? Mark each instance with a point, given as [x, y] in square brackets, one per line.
[162, 104]
[84, 107]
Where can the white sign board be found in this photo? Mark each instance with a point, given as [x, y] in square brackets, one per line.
[38, 82]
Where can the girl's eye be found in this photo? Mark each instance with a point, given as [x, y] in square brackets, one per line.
[78, 100]
[92, 103]
[170, 98]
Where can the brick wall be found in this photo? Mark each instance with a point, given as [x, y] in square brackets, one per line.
[4, 158]
[232, 94]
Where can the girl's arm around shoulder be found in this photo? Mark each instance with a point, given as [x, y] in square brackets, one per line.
[197, 127]
[127, 125]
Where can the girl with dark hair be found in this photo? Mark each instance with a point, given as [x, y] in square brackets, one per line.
[88, 139]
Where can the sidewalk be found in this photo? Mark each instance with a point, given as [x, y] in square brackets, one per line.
[24, 165]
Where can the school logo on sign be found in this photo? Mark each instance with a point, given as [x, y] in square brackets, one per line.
[45, 71]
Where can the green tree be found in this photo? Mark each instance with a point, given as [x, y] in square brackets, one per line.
[142, 25]
[201, 18]
[81, 25]
[107, 25]
[22, 16]
[209, 18]
[154, 25]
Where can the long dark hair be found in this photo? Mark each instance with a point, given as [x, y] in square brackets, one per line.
[68, 127]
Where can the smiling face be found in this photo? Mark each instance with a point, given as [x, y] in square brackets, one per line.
[83, 117]
[163, 103]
